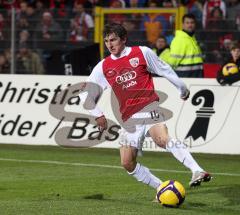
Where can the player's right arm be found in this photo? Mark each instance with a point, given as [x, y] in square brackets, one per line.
[95, 85]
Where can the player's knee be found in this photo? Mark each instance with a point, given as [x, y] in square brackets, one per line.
[128, 165]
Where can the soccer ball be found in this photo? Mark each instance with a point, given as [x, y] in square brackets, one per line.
[229, 68]
[171, 193]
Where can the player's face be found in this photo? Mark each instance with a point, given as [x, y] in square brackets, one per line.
[114, 44]
[189, 25]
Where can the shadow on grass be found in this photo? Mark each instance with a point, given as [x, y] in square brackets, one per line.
[230, 196]
[229, 200]
[101, 196]
[3, 188]
[231, 192]
[95, 196]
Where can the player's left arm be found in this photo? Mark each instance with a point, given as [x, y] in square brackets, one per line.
[161, 68]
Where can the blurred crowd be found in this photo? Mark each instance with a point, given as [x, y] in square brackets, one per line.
[43, 25]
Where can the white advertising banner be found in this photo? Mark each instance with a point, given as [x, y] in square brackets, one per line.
[46, 110]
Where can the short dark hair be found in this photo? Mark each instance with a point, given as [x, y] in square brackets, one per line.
[162, 37]
[235, 46]
[189, 16]
[115, 28]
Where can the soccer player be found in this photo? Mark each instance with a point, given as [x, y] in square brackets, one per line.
[128, 71]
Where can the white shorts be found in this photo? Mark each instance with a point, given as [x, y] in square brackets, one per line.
[136, 128]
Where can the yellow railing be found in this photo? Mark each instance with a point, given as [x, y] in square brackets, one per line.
[101, 12]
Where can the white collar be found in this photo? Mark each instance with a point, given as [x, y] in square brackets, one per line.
[124, 52]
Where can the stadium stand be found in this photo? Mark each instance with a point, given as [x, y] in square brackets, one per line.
[58, 28]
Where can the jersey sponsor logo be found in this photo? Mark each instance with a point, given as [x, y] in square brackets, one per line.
[203, 118]
[125, 77]
[130, 84]
[134, 61]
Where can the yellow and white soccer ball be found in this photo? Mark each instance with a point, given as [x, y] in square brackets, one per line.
[171, 193]
[229, 69]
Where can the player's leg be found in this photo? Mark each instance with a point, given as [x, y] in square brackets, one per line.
[141, 173]
[160, 136]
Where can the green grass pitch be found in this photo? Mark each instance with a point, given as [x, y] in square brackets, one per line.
[54, 180]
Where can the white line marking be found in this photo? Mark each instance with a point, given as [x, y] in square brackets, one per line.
[108, 166]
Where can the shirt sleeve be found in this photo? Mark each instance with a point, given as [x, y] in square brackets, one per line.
[160, 68]
[89, 21]
[95, 85]
[177, 52]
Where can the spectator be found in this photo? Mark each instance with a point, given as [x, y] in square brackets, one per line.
[131, 21]
[7, 5]
[233, 14]
[48, 32]
[121, 2]
[215, 20]
[225, 49]
[170, 19]
[26, 22]
[24, 36]
[195, 7]
[31, 17]
[30, 60]
[89, 4]
[23, 9]
[215, 32]
[208, 6]
[136, 3]
[22, 23]
[162, 48]
[116, 18]
[235, 59]
[3, 28]
[154, 25]
[40, 7]
[7, 54]
[4, 65]
[19, 65]
[26, 9]
[238, 24]
[168, 3]
[4, 31]
[60, 12]
[58, 8]
[185, 53]
[81, 25]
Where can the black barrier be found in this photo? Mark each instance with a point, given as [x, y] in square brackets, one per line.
[77, 59]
